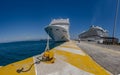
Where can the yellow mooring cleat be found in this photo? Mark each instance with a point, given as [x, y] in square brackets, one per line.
[48, 57]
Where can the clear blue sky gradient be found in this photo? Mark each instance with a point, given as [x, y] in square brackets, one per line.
[26, 19]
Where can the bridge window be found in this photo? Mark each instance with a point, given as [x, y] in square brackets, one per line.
[57, 29]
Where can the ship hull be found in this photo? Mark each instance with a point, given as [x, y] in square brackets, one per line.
[57, 33]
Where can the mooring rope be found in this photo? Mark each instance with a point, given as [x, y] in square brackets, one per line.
[22, 69]
[47, 47]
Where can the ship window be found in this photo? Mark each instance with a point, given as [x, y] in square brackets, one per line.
[60, 24]
[64, 31]
[57, 29]
[62, 37]
[50, 28]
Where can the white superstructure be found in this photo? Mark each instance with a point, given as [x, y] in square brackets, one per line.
[58, 29]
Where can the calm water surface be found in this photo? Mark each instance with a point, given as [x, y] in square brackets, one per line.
[15, 51]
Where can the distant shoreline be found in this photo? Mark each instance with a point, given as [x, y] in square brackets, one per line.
[23, 41]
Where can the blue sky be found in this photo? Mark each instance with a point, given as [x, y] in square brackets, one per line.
[26, 19]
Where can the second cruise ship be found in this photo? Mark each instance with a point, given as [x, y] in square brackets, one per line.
[95, 33]
[58, 30]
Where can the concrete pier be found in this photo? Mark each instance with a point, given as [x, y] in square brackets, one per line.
[108, 56]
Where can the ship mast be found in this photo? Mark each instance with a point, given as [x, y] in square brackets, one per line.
[115, 21]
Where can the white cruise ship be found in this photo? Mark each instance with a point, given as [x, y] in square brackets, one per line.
[58, 29]
[95, 33]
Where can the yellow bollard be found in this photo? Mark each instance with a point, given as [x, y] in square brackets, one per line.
[48, 57]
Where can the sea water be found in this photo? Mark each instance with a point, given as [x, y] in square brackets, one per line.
[16, 51]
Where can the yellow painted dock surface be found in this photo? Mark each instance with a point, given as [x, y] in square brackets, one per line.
[70, 60]
[12, 68]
